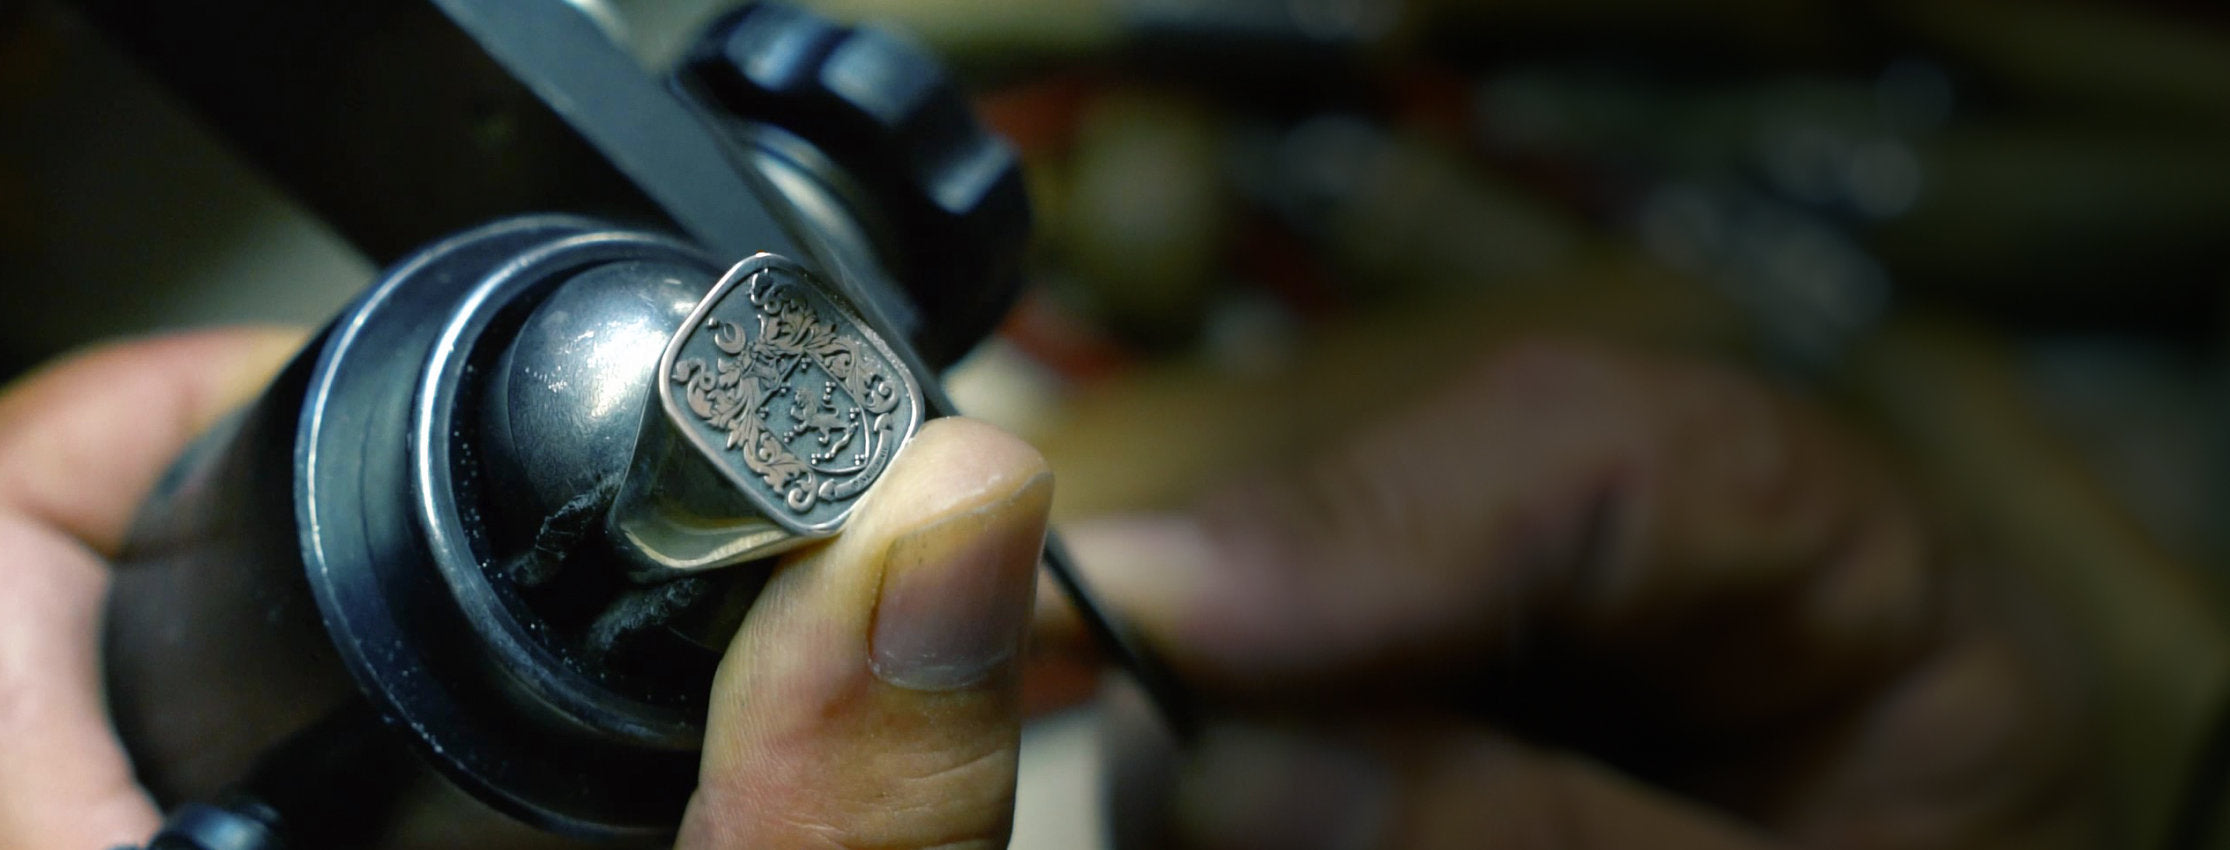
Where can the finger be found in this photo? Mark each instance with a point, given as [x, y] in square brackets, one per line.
[1559, 494]
[82, 441]
[64, 782]
[1452, 788]
[871, 698]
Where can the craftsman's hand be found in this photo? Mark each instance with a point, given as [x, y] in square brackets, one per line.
[81, 443]
[871, 700]
[1589, 599]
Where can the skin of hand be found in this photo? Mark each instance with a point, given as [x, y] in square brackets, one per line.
[1587, 597]
[879, 706]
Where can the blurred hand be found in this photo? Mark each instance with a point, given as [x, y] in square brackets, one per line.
[879, 706]
[1582, 598]
[82, 441]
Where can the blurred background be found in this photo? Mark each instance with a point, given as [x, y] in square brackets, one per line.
[2000, 229]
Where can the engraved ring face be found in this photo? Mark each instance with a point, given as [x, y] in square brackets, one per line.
[788, 393]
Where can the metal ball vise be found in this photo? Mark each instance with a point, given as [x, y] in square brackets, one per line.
[455, 579]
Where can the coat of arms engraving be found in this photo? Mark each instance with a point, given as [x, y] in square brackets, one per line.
[797, 390]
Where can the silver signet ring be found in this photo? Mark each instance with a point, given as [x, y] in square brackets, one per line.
[777, 407]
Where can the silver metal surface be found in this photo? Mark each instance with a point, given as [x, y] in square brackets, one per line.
[777, 407]
[561, 411]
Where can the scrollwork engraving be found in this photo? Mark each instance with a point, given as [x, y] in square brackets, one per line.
[810, 408]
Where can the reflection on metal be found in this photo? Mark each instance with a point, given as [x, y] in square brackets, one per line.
[777, 407]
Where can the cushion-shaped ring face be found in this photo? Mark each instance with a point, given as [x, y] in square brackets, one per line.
[777, 381]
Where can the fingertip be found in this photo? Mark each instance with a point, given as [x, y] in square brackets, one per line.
[961, 521]
[255, 353]
[84, 437]
[951, 464]
[957, 593]
[213, 369]
[870, 698]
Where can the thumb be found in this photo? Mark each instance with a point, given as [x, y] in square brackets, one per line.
[871, 698]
